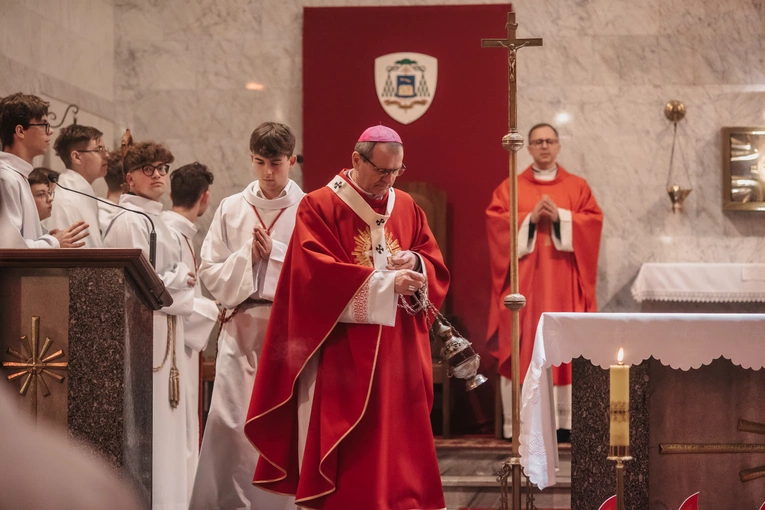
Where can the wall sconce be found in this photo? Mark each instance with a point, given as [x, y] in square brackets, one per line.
[75, 110]
[678, 180]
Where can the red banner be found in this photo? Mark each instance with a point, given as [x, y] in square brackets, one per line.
[455, 145]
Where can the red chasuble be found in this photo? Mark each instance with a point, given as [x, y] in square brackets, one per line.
[551, 280]
[369, 443]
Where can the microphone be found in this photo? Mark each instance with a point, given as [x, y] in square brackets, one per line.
[152, 236]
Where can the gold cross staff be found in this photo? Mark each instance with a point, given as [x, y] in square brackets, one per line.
[745, 475]
[513, 142]
[35, 364]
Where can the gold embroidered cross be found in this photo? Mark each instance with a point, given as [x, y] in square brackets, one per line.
[745, 475]
[35, 363]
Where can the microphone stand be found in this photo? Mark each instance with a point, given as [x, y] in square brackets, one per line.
[152, 234]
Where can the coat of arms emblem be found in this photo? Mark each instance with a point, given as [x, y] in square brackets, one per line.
[406, 84]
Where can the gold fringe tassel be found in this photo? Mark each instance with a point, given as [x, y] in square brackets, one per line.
[174, 389]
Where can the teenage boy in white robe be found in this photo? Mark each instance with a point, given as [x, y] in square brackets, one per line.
[190, 194]
[146, 165]
[84, 155]
[43, 192]
[241, 259]
[25, 134]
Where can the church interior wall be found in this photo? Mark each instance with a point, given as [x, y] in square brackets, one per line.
[603, 77]
[175, 72]
[62, 51]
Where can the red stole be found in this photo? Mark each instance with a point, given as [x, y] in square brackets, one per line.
[373, 388]
[551, 280]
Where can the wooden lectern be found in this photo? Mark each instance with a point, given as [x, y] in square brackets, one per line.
[76, 347]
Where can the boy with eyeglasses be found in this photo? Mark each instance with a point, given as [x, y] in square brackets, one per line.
[145, 166]
[24, 135]
[84, 155]
[43, 191]
[559, 225]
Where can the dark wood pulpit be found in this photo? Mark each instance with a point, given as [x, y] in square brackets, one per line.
[76, 347]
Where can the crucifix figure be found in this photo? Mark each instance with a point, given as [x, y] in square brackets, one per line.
[512, 44]
[513, 142]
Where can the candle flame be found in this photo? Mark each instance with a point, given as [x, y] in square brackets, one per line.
[620, 356]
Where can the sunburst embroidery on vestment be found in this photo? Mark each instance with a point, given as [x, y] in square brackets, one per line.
[362, 253]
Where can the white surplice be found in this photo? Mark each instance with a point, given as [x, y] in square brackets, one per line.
[196, 331]
[70, 207]
[106, 214]
[227, 460]
[129, 230]
[18, 203]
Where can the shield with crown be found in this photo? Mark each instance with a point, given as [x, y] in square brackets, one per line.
[406, 84]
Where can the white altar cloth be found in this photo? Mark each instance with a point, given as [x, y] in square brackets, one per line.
[682, 341]
[700, 282]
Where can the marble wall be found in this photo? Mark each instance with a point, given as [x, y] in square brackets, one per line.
[175, 71]
[63, 48]
[604, 75]
[63, 51]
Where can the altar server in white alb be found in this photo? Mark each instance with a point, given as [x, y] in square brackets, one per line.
[24, 135]
[242, 257]
[84, 155]
[146, 165]
[190, 194]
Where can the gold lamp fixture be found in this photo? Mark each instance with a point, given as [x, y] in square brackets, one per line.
[678, 181]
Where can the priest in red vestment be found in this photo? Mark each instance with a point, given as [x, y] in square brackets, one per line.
[559, 225]
[340, 409]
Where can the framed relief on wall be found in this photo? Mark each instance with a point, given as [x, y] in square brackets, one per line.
[743, 168]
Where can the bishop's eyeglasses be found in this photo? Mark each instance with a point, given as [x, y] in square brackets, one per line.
[385, 172]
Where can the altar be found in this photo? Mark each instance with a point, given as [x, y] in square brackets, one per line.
[700, 287]
[695, 379]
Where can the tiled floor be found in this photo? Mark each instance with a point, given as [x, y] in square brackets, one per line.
[468, 474]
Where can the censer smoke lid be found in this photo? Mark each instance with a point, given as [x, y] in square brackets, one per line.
[442, 330]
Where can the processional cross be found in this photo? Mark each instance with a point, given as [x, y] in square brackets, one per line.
[513, 142]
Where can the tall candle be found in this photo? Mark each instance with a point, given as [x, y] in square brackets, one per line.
[620, 408]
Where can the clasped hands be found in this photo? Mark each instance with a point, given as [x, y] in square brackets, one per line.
[545, 208]
[261, 244]
[408, 281]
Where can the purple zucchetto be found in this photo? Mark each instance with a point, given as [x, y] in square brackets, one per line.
[380, 134]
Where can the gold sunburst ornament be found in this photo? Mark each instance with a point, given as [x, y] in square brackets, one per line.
[35, 363]
[362, 253]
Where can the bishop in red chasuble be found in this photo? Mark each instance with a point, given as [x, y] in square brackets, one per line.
[559, 226]
[341, 402]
